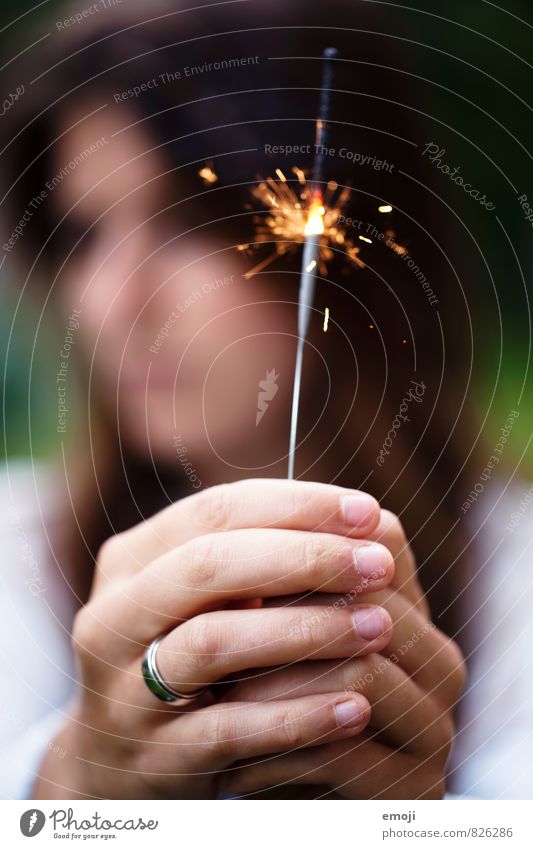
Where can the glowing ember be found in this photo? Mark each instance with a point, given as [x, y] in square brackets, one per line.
[326, 319]
[208, 174]
[385, 208]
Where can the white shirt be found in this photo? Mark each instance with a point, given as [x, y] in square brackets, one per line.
[493, 751]
[36, 663]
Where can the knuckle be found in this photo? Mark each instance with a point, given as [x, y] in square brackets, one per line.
[110, 552]
[314, 556]
[291, 729]
[115, 559]
[445, 734]
[458, 674]
[422, 603]
[84, 633]
[218, 734]
[455, 674]
[363, 672]
[201, 642]
[201, 561]
[393, 530]
[213, 507]
[302, 632]
[106, 551]
[94, 637]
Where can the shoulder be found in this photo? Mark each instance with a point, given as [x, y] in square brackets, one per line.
[500, 593]
[35, 660]
[20, 519]
[494, 748]
[501, 530]
[29, 515]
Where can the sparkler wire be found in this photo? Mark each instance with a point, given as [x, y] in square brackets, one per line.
[311, 249]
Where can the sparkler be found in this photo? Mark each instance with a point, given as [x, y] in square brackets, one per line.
[313, 229]
[310, 215]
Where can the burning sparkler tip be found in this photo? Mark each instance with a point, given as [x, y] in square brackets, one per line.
[315, 221]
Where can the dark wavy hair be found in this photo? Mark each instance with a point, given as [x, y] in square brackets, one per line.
[387, 330]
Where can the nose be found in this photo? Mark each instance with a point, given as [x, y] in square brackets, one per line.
[142, 275]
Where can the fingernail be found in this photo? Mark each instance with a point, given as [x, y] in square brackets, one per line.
[348, 713]
[369, 622]
[358, 510]
[372, 561]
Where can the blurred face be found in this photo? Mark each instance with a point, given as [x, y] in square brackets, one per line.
[176, 339]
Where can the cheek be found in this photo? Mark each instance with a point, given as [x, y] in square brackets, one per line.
[73, 293]
[244, 354]
[102, 336]
[232, 332]
[97, 312]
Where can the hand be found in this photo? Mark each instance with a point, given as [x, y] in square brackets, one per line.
[177, 574]
[412, 687]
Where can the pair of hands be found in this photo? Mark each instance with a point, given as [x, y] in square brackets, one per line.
[332, 672]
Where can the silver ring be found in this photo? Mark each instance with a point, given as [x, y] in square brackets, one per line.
[156, 683]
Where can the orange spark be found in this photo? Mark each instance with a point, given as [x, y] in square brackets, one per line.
[208, 175]
[292, 213]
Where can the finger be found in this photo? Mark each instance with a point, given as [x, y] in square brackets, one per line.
[278, 772]
[402, 713]
[433, 659]
[354, 768]
[390, 533]
[262, 503]
[214, 645]
[213, 569]
[215, 736]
